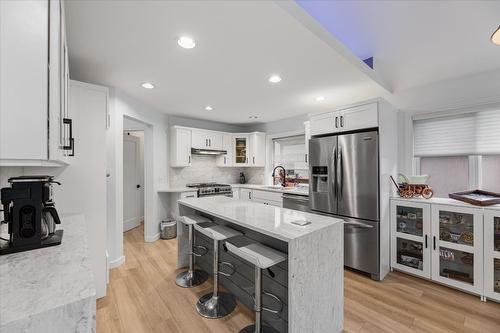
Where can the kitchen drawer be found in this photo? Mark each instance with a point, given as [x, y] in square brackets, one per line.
[267, 196]
[185, 195]
[269, 202]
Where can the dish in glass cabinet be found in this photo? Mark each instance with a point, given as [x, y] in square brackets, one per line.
[468, 259]
[467, 238]
[445, 235]
[497, 286]
[454, 237]
[447, 255]
[444, 219]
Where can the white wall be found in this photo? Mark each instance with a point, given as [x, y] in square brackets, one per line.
[156, 125]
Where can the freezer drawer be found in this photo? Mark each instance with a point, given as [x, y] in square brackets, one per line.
[361, 246]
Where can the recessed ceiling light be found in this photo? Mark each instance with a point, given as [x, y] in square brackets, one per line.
[495, 38]
[275, 79]
[208, 108]
[186, 42]
[253, 117]
[320, 98]
[147, 85]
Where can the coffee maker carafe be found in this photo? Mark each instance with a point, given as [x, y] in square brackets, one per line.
[30, 214]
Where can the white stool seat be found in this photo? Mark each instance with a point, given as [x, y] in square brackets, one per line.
[194, 219]
[259, 255]
[217, 232]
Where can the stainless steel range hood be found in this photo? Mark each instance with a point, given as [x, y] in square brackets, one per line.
[196, 151]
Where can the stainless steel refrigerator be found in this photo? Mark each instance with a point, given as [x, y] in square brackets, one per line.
[344, 181]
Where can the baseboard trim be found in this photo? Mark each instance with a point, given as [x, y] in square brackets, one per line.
[116, 263]
[152, 239]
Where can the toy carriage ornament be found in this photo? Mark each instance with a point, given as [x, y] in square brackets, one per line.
[413, 186]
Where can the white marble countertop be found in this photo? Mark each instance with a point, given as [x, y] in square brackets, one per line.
[297, 191]
[39, 281]
[446, 201]
[268, 220]
[176, 189]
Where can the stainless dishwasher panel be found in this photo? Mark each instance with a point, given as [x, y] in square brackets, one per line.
[361, 246]
[296, 202]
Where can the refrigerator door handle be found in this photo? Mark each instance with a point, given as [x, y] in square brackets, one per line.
[335, 187]
[340, 174]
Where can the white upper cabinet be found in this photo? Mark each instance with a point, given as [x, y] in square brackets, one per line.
[33, 90]
[180, 147]
[241, 149]
[257, 147]
[202, 139]
[226, 160]
[344, 120]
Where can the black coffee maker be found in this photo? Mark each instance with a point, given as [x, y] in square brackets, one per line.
[30, 214]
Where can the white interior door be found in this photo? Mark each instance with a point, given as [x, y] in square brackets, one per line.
[131, 182]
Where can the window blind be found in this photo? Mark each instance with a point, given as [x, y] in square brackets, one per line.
[474, 133]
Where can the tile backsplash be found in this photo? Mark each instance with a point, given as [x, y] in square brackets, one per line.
[204, 169]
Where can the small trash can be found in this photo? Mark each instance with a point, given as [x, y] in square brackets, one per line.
[168, 229]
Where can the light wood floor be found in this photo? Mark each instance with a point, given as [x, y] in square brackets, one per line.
[142, 297]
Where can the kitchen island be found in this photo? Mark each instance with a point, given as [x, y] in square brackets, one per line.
[310, 282]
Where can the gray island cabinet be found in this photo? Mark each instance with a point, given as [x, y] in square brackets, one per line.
[310, 283]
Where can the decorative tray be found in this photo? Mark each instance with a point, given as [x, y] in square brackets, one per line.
[477, 197]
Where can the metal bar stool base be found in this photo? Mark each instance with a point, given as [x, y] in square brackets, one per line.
[216, 307]
[263, 329]
[191, 279]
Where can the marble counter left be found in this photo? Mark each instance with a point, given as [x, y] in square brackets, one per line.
[50, 289]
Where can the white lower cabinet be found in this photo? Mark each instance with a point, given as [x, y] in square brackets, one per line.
[457, 238]
[492, 253]
[440, 242]
[264, 197]
[411, 232]
[245, 194]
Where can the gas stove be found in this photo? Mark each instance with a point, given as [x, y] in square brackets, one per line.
[209, 189]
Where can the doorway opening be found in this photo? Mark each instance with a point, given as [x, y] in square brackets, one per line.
[133, 179]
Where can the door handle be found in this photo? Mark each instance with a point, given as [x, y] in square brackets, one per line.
[138, 186]
[425, 241]
[253, 158]
[210, 142]
[340, 171]
[358, 225]
[249, 195]
[434, 241]
[341, 121]
[224, 159]
[206, 142]
[189, 159]
[336, 122]
[305, 157]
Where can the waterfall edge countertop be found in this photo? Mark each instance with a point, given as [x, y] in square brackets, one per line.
[49, 289]
[268, 220]
[315, 266]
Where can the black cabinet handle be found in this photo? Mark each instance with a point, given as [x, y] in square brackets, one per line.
[138, 186]
[253, 159]
[69, 122]
[305, 158]
[425, 241]
[434, 241]
[189, 159]
[336, 122]
[341, 121]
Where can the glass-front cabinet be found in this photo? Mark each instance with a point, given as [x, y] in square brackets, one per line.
[457, 246]
[241, 150]
[492, 253]
[411, 229]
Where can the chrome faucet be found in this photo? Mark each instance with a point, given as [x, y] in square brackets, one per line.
[283, 183]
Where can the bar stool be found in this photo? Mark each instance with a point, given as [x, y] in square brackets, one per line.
[192, 277]
[261, 257]
[217, 304]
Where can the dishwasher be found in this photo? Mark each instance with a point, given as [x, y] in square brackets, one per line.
[296, 202]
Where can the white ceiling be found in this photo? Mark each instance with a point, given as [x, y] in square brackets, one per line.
[239, 44]
[415, 42]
